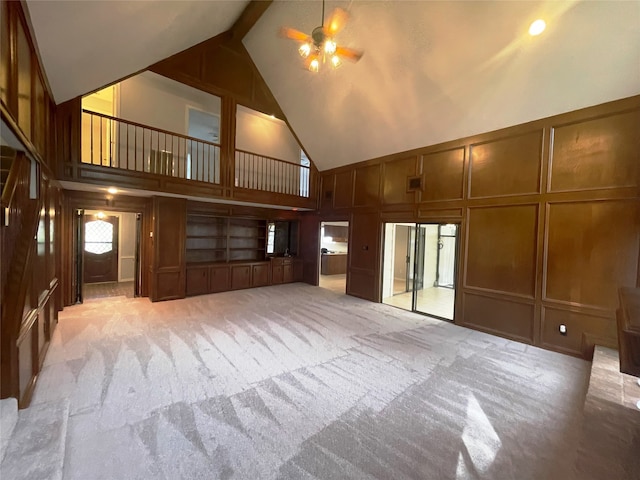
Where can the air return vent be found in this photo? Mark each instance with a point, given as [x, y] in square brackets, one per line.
[414, 183]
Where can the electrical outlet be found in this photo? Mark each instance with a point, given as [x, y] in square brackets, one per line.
[562, 329]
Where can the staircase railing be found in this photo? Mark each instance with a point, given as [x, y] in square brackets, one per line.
[19, 224]
[260, 172]
[115, 143]
[15, 191]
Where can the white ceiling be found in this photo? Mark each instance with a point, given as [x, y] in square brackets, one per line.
[86, 45]
[431, 72]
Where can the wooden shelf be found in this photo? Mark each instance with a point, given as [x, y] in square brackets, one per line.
[215, 239]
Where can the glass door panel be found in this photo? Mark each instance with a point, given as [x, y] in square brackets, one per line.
[435, 261]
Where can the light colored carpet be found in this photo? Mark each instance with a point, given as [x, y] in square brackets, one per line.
[297, 382]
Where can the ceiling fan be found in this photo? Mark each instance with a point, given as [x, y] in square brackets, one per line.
[320, 46]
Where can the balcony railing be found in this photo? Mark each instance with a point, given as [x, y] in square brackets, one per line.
[116, 143]
[260, 172]
[120, 144]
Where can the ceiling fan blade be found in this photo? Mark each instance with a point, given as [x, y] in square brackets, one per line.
[294, 34]
[349, 53]
[336, 21]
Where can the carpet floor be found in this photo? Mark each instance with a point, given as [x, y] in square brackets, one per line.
[298, 382]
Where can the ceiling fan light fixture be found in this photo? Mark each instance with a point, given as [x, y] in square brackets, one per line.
[329, 46]
[320, 46]
[304, 50]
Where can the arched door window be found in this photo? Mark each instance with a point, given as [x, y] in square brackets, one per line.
[98, 237]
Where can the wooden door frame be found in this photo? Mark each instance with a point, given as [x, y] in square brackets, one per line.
[81, 200]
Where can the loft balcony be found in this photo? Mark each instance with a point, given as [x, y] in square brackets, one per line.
[204, 162]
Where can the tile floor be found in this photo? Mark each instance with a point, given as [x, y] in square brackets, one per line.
[109, 289]
[335, 283]
[436, 301]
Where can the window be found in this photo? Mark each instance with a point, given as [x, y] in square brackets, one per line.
[271, 237]
[304, 174]
[98, 237]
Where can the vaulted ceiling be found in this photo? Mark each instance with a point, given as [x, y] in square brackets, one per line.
[431, 72]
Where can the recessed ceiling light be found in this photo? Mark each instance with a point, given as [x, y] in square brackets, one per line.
[112, 190]
[537, 27]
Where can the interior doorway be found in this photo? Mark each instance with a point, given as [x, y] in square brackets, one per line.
[107, 254]
[334, 248]
[419, 271]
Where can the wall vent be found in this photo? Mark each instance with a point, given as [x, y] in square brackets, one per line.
[414, 183]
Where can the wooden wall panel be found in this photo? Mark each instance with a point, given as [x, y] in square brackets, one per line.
[443, 174]
[364, 252]
[5, 52]
[327, 191]
[25, 71]
[343, 190]
[596, 153]
[361, 284]
[39, 115]
[26, 354]
[366, 190]
[169, 233]
[592, 250]
[167, 286]
[501, 249]
[394, 180]
[365, 240]
[583, 331]
[309, 249]
[497, 315]
[507, 166]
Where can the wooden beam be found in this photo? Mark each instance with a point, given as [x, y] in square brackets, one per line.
[248, 18]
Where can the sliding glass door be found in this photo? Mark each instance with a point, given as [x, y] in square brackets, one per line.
[419, 267]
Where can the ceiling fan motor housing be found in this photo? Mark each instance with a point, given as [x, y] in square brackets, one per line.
[318, 36]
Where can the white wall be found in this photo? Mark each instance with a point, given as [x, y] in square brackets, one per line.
[265, 135]
[388, 260]
[157, 101]
[126, 243]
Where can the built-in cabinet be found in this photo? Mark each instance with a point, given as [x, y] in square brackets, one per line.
[211, 238]
[229, 253]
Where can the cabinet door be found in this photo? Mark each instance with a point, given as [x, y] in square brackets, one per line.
[260, 275]
[240, 276]
[276, 274]
[197, 280]
[287, 273]
[219, 279]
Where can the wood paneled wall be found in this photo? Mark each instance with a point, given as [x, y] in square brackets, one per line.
[549, 214]
[168, 269]
[26, 103]
[32, 294]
